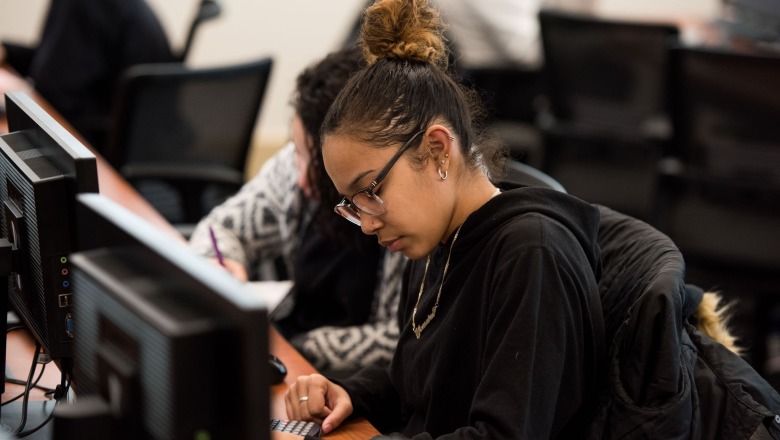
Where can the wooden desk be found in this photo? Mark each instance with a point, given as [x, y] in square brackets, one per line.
[115, 187]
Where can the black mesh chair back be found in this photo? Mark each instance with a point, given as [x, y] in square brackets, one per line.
[523, 174]
[605, 73]
[726, 117]
[720, 200]
[189, 130]
[727, 113]
[607, 125]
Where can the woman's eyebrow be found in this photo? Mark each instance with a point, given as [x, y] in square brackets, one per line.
[358, 178]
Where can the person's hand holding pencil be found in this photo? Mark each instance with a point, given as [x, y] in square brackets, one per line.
[234, 267]
[215, 246]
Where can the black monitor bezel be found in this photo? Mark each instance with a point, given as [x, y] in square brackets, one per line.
[74, 171]
[106, 225]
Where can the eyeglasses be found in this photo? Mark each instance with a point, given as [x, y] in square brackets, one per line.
[365, 200]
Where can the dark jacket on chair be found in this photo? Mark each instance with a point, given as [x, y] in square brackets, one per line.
[665, 379]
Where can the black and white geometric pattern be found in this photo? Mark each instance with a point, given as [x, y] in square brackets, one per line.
[261, 224]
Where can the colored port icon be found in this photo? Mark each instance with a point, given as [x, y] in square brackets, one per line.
[66, 284]
[69, 325]
[64, 272]
[63, 260]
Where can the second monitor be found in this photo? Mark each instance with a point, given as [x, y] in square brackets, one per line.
[173, 344]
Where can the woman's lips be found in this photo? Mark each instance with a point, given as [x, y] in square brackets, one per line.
[392, 245]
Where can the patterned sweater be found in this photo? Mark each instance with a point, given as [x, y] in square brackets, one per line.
[261, 224]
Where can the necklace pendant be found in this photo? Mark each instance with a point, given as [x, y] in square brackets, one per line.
[417, 332]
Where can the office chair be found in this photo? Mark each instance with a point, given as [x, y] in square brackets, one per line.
[181, 136]
[664, 378]
[510, 96]
[524, 174]
[207, 10]
[720, 199]
[606, 83]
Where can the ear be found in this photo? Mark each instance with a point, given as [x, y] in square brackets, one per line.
[440, 144]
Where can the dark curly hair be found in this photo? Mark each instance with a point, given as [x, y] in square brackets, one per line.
[316, 88]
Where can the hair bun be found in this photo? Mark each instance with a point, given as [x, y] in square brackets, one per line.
[403, 29]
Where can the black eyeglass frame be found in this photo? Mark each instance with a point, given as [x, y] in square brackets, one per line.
[347, 202]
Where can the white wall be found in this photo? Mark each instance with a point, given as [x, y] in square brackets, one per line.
[293, 32]
[659, 8]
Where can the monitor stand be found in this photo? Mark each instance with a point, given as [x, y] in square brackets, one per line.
[6, 264]
[11, 414]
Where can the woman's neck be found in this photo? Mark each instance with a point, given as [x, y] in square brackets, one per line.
[473, 192]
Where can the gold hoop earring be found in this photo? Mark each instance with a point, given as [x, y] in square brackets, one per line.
[442, 176]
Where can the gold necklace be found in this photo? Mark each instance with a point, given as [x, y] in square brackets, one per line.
[418, 329]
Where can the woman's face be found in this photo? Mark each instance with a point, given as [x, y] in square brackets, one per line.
[302, 141]
[418, 205]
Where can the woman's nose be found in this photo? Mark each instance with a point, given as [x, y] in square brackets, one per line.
[369, 223]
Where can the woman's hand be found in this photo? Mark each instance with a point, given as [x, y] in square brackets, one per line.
[314, 398]
[234, 268]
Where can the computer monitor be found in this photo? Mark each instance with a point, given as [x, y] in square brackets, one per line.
[172, 343]
[42, 167]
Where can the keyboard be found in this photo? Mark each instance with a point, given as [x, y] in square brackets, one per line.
[297, 427]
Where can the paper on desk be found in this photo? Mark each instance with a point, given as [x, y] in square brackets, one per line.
[276, 295]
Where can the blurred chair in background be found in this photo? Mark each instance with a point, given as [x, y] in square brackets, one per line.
[720, 201]
[607, 123]
[83, 50]
[181, 136]
[207, 10]
[524, 174]
[497, 51]
[510, 96]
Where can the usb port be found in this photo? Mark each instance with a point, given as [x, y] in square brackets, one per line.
[66, 299]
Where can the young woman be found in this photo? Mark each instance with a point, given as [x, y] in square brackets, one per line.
[501, 326]
[346, 286]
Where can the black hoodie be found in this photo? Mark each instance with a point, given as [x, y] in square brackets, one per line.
[516, 348]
